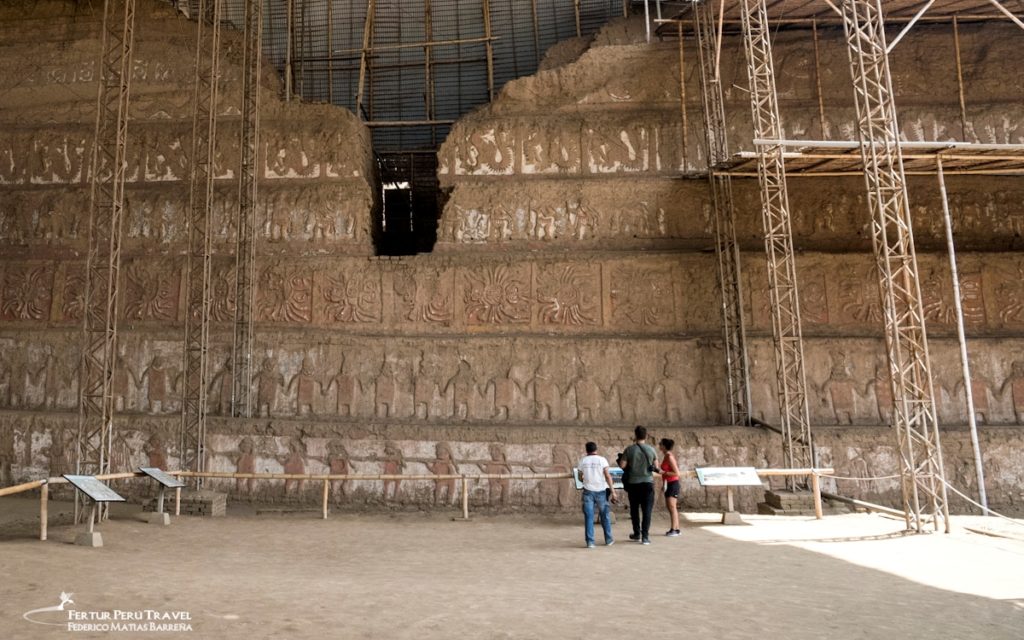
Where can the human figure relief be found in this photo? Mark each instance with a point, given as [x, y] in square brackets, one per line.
[294, 463]
[52, 379]
[245, 462]
[425, 386]
[306, 386]
[385, 388]
[268, 380]
[462, 387]
[338, 463]
[557, 492]
[497, 489]
[61, 452]
[393, 464]
[980, 387]
[156, 452]
[545, 391]
[122, 380]
[155, 378]
[1015, 383]
[505, 388]
[677, 393]
[883, 393]
[840, 389]
[443, 465]
[223, 382]
[346, 384]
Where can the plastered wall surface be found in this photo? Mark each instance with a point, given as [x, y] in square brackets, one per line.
[572, 293]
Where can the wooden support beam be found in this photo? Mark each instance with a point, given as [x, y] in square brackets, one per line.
[371, 6]
[489, 46]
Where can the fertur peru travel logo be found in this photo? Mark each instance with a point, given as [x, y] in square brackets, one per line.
[113, 620]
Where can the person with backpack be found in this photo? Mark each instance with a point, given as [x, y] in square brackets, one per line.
[638, 480]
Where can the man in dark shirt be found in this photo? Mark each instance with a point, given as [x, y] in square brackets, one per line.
[639, 483]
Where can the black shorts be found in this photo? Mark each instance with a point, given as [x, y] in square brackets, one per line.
[672, 489]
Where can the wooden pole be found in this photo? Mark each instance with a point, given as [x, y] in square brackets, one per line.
[960, 79]
[177, 501]
[330, 51]
[682, 93]
[327, 493]
[465, 498]
[288, 46]
[367, 46]
[44, 494]
[489, 44]
[26, 486]
[817, 79]
[536, 32]
[816, 488]
[728, 499]
[576, 10]
[428, 54]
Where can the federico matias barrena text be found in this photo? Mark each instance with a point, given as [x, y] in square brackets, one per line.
[118, 620]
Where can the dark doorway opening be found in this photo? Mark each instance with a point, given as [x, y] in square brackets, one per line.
[411, 203]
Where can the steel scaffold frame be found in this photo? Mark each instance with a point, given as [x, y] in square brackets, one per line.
[914, 414]
[784, 295]
[727, 250]
[197, 270]
[103, 263]
[245, 246]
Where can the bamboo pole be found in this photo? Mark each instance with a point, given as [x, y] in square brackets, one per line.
[490, 48]
[330, 46]
[367, 46]
[817, 78]
[177, 501]
[816, 488]
[288, 46]
[327, 493]
[44, 518]
[576, 10]
[428, 55]
[465, 498]
[18, 488]
[960, 79]
[682, 93]
[961, 335]
[536, 32]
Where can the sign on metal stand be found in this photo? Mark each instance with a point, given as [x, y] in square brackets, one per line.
[99, 493]
[166, 481]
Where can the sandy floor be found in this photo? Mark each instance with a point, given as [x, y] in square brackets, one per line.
[424, 576]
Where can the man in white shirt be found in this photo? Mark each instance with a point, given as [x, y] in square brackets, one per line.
[597, 488]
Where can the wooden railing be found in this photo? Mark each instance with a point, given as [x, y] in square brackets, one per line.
[44, 484]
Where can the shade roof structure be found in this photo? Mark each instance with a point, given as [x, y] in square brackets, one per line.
[820, 9]
[821, 158]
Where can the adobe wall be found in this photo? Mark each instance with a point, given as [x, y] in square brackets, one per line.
[571, 295]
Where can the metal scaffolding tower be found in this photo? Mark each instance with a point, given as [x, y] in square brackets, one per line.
[197, 271]
[248, 175]
[106, 206]
[914, 415]
[778, 239]
[726, 248]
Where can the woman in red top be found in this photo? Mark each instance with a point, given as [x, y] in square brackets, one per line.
[670, 480]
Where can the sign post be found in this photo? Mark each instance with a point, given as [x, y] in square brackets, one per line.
[166, 481]
[97, 492]
[729, 477]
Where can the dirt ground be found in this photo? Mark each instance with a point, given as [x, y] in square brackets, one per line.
[517, 576]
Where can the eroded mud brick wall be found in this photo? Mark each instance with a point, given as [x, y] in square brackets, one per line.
[571, 295]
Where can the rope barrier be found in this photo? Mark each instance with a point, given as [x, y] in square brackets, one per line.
[957, 492]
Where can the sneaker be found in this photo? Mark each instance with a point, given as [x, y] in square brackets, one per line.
[609, 543]
[646, 541]
[672, 533]
[635, 537]
[591, 545]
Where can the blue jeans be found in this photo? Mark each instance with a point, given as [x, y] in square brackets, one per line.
[592, 499]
